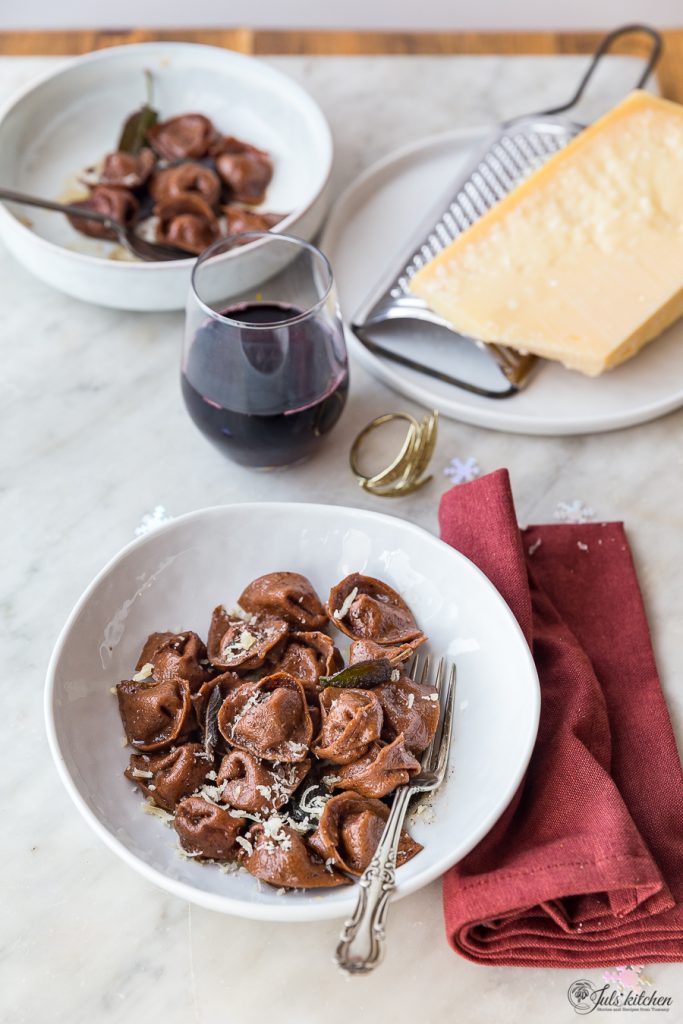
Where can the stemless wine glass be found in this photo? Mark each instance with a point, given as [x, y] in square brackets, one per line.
[264, 371]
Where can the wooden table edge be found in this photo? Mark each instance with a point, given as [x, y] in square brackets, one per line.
[244, 40]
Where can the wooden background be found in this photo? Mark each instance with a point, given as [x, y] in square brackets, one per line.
[670, 72]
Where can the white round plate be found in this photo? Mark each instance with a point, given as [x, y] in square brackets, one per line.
[367, 232]
[173, 578]
[71, 118]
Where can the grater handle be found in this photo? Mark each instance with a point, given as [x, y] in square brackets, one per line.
[604, 47]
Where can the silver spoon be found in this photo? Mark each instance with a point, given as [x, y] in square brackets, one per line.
[149, 251]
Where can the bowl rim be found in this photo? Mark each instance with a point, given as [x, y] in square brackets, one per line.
[314, 111]
[287, 911]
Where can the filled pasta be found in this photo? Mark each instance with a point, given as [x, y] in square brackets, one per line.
[366, 609]
[262, 748]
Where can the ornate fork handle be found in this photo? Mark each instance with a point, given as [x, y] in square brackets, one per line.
[362, 943]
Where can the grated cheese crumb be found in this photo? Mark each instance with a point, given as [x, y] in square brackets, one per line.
[315, 805]
[149, 807]
[187, 854]
[247, 640]
[245, 844]
[137, 773]
[256, 698]
[144, 673]
[301, 826]
[211, 794]
[395, 676]
[234, 812]
[229, 867]
[341, 613]
[411, 699]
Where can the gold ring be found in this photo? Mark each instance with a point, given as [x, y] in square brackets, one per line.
[405, 473]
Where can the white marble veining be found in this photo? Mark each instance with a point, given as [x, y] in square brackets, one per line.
[94, 436]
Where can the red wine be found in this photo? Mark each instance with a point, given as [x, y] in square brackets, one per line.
[264, 389]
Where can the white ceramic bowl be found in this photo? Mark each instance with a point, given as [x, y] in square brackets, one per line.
[69, 119]
[172, 579]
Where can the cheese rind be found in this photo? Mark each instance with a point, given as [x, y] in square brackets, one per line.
[582, 262]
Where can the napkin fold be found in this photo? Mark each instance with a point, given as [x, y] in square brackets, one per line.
[585, 867]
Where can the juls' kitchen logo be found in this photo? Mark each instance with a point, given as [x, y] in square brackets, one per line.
[586, 997]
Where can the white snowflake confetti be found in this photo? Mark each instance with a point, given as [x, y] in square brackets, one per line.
[573, 512]
[460, 472]
[628, 978]
[152, 520]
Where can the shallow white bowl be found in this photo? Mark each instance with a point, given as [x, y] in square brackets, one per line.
[69, 119]
[173, 578]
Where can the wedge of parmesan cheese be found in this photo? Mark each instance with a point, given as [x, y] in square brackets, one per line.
[583, 261]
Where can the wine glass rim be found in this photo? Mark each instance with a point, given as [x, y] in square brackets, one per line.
[263, 236]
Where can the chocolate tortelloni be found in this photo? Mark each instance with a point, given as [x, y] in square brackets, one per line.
[245, 646]
[349, 832]
[285, 861]
[224, 683]
[307, 657]
[351, 721]
[127, 170]
[186, 137]
[155, 714]
[287, 595]
[367, 609]
[410, 710]
[310, 655]
[246, 170]
[380, 771]
[369, 650]
[118, 204]
[251, 785]
[186, 179]
[169, 776]
[237, 220]
[269, 719]
[207, 830]
[176, 656]
[186, 222]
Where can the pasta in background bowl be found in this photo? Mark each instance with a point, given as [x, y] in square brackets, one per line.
[67, 121]
[173, 578]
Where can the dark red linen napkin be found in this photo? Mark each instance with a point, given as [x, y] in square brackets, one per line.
[585, 868]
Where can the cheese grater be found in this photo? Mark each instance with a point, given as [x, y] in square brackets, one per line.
[517, 149]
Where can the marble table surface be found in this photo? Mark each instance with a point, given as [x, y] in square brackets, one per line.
[94, 437]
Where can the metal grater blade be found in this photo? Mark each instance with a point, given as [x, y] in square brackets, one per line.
[517, 150]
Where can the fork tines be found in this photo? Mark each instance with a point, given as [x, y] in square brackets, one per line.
[436, 754]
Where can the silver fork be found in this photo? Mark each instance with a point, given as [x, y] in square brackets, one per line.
[361, 946]
[126, 236]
